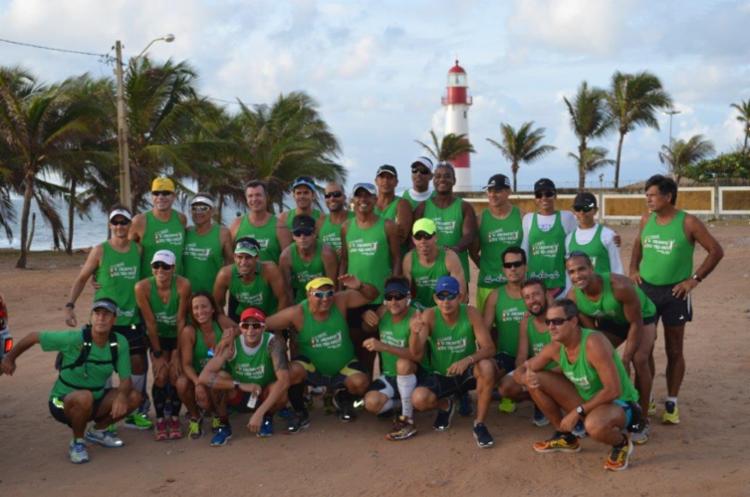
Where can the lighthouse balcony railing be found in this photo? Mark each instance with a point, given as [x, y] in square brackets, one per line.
[469, 101]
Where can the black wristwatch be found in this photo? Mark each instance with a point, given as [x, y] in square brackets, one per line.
[158, 353]
[581, 411]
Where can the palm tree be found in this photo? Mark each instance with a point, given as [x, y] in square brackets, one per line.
[744, 117]
[633, 100]
[521, 146]
[447, 149]
[593, 158]
[680, 154]
[589, 120]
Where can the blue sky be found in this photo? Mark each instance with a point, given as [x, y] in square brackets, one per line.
[378, 69]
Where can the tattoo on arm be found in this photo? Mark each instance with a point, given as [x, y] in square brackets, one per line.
[277, 348]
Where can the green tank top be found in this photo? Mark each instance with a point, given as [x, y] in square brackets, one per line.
[451, 343]
[161, 235]
[325, 343]
[595, 249]
[293, 213]
[303, 272]
[537, 341]
[203, 258]
[667, 252]
[252, 366]
[395, 335]
[391, 211]
[547, 253]
[117, 274]
[496, 235]
[369, 255]
[585, 378]
[608, 307]
[330, 233]
[424, 278]
[508, 315]
[257, 293]
[201, 349]
[270, 248]
[165, 314]
[450, 223]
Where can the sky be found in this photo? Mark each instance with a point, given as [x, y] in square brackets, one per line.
[378, 69]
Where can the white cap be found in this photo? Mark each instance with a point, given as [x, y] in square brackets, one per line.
[202, 199]
[424, 161]
[120, 212]
[165, 256]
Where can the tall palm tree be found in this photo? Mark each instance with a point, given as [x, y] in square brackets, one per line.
[589, 119]
[520, 146]
[593, 158]
[680, 154]
[744, 117]
[633, 100]
[447, 149]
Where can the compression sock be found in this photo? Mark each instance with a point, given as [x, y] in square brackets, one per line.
[297, 397]
[159, 394]
[406, 385]
[174, 400]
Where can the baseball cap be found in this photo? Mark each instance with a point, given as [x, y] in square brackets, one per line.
[316, 283]
[165, 256]
[366, 186]
[585, 199]
[544, 184]
[396, 286]
[253, 313]
[162, 184]
[304, 181]
[202, 199]
[387, 169]
[303, 222]
[105, 303]
[247, 245]
[498, 181]
[447, 284]
[120, 212]
[423, 161]
[424, 224]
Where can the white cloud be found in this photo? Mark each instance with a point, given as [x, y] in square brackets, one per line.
[359, 58]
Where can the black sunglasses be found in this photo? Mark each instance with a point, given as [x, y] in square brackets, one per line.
[161, 265]
[420, 170]
[254, 325]
[508, 265]
[123, 222]
[161, 193]
[200, 208]
[323, 294]
[334, 195]
[302, 232]
[545, 194]
[422, 235]
[556, 321]
[583, 208]
[446, 296]
[394, 296]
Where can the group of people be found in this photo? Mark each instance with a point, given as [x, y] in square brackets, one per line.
[368, 303]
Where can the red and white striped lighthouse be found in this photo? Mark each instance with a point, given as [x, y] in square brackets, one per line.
[457, 102]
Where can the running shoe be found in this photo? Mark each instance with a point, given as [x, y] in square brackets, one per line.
[619, 456]
[671, 414]
[266, 428]
[482, 436]
[538, 418]
[652, 407]
[138, 421]
[215, 424]
[465, 407]
[222, 436]
[298, 422]
[174, 429]
[403, 429]
[560, 442]
[443, 418]
[580, 430]
[286, 413]
[507, 406]
[77, 452]
[160, 430]
[344, 406]
[105, 438]
[640, 436]
[195, 428]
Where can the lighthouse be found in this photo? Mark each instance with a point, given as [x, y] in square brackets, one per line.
[457, 102]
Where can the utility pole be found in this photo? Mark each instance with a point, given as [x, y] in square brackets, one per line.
[122, 131]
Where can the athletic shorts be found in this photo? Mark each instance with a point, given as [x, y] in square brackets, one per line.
[57, 408]
[670, 309]
[336, 381]
[168, 344]
[448, 386]
[620, 330]
[388, 385]
[237, 399]
[135, 335]
[505, 362]
[632, 414]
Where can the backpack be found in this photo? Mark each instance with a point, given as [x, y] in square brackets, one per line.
[83, 357]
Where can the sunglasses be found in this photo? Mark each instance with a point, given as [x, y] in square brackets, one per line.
[161, 193]
[420, 170]
[200, 208]
[302, 232]
[254, 325]
[123, 222]
[446, 296]
[323, 294]
[508, 265]
[545, 194]
[556, 321]
[422, 235]
[334, 195]
[583, 208]
[161, 265]
[394, 296]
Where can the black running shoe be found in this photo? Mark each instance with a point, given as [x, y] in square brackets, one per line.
[298, 422]
[482, 436]
[443, 418]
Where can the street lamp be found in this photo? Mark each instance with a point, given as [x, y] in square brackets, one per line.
[122, 124]
[671, 113]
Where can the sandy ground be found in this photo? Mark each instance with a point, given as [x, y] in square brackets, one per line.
[702, 456]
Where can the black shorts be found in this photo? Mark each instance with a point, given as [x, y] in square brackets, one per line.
[335, 381]
[57, 408]
[620, 330]
[670, 309]
[136, 337]
[448, 386]
[505, 362]
[168, 344]
[388, 385]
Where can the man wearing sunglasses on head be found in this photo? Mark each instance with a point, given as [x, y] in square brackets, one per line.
[544, 233]
[594, 388]
[461, 351]
[303, 193]
[325, 351]
[426, 262]
[391, 206]
[306, 259]
[208, 245]
[260, 223]
[421, 176]
[338, 213]
[592, 238]
[161, 228]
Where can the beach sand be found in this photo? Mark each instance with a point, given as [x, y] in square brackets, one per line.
[703, 456]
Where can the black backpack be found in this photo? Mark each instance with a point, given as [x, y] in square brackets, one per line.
[83, 357]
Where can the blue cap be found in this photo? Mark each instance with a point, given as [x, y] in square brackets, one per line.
[447, 284]
[304, 181]
[368, 187]
[396, 286]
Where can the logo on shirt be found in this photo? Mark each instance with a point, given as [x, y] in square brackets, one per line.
[121, 270]
[197, 253]
[165, 237]
[249, 371]
[251, 299]
[388, 338]
[512, 314]
[579, 381]
[544, 249]
[500, 235]
[329, 342]
[449, 344]
[362, 247]
[654, 242]
[447, 227]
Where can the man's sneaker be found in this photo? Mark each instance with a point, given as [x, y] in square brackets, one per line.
[215, 424]
[538, 418]
[579, 430]
[482, 436]
[507, 406]
[266, 428]
[443, 418]
[465, 407]
[560, 442]
[160, 430]
[174, 429]
[640, 437]
[652, 407]
[77, 452]
[619, 456]
[138, 421]
[344, 406]
[403, 429]
[222, 436]
[195, 430]
[671, 414]
[105, 438]
[298, 422]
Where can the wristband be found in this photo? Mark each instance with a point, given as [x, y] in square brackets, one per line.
[70, 305]
[581, 411]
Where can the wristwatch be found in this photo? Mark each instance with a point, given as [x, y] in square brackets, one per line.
[70, 305]
[581, 411]
[697, 278]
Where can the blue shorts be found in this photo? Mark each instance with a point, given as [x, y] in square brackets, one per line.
[632, 414]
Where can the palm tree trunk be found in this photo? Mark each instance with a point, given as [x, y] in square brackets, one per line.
[617, 161]
[514, 170]
[25, 210]
[220, 210]
[71, 217]
[581, 168]
[744, 145]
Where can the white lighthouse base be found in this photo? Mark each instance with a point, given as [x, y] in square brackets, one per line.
[463, 179]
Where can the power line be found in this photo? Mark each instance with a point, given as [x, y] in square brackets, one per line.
[54, 49]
